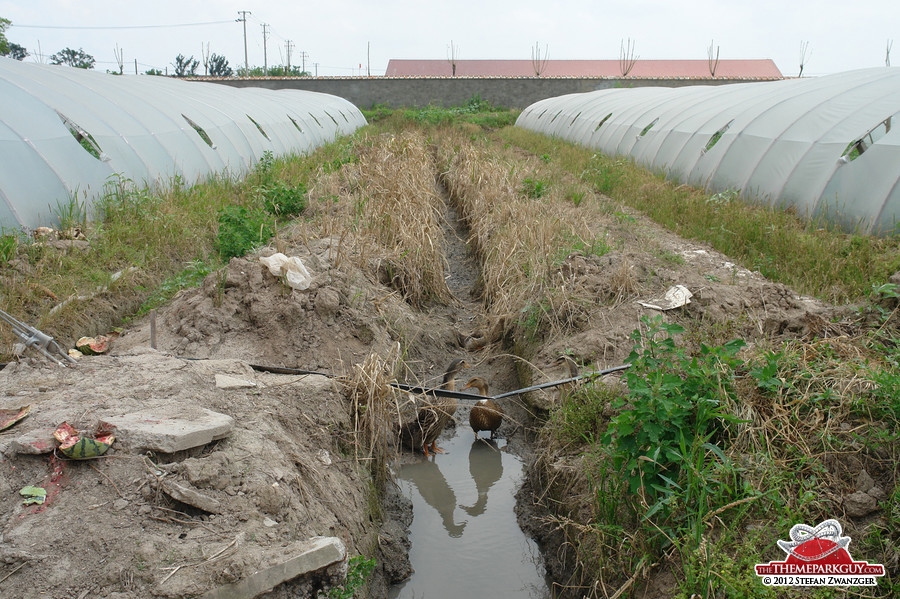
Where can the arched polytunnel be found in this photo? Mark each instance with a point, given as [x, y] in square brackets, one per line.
[64, 133]
[827, 147]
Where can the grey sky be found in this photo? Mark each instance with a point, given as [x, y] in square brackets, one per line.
[349, 37]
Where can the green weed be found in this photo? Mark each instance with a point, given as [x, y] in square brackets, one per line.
[281, 199]
[676, 401]
[359, 568]
[241, 229]
[192, 275]
[9, 244]
[533, 188]
[71, 214]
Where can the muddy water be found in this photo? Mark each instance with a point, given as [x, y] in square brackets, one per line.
[465, 538]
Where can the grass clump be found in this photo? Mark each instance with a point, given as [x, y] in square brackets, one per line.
[9, 244]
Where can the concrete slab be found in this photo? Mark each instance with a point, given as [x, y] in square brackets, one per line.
[156, 430]
[223, 381]
[302, 558]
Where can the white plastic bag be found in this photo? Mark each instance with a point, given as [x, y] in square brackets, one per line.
[290, 267]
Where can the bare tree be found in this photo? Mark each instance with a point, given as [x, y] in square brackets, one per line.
[804, 56]
[452, 56]
[887, 53]
[538, 62]
[204, 52]
[713, 62]
[627, 57]
[120, 58]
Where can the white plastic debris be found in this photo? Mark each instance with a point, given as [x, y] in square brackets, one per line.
[290, 267]
[675, 297]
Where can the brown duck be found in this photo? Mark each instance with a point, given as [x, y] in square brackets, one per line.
[486, 414]
[432, 417]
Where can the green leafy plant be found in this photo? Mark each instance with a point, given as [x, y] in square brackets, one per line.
[282, 199]
[241, 229]
[673, 399]
[766, 374]
[533, 188]
[358, 569]
[264, 170]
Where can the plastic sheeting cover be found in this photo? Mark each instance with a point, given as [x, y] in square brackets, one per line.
[64, 133]
[784, 143]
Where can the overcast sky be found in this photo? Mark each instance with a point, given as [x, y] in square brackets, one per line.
[353, 37]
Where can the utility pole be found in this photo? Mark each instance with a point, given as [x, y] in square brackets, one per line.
[120, 59]
[369, 59]
[287, 48]
[265, 60]
[243, 18]
[303, 56]
[317, 68]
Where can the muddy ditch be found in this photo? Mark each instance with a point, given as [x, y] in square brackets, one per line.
[294, 463]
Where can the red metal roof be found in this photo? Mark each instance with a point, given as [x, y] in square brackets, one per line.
[665, 69]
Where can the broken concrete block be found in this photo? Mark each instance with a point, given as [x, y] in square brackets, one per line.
[34, 442]
[155, 430]
[191, 496]
[301, 558]
[223, 381]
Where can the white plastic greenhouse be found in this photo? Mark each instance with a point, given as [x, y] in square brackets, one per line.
[823, 146]
[65, 132]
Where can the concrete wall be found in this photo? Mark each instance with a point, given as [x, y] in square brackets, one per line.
[401, 92]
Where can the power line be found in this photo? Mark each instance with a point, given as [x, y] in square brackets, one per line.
[121, 26]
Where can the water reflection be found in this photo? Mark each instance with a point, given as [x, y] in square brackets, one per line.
[486, 555]
[485, 468]
[434, 490]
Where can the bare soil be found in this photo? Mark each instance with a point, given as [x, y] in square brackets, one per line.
[288, 471]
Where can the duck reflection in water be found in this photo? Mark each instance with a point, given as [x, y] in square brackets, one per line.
[486, 468]
[433, 487]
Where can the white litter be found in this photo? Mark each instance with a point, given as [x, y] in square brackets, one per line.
[675, 297]
[291, 268]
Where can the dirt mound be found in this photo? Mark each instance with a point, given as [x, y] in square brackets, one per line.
[246, 312]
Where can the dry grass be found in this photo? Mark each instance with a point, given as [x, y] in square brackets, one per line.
[520, 241]
[375, 407]
[386, 209]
